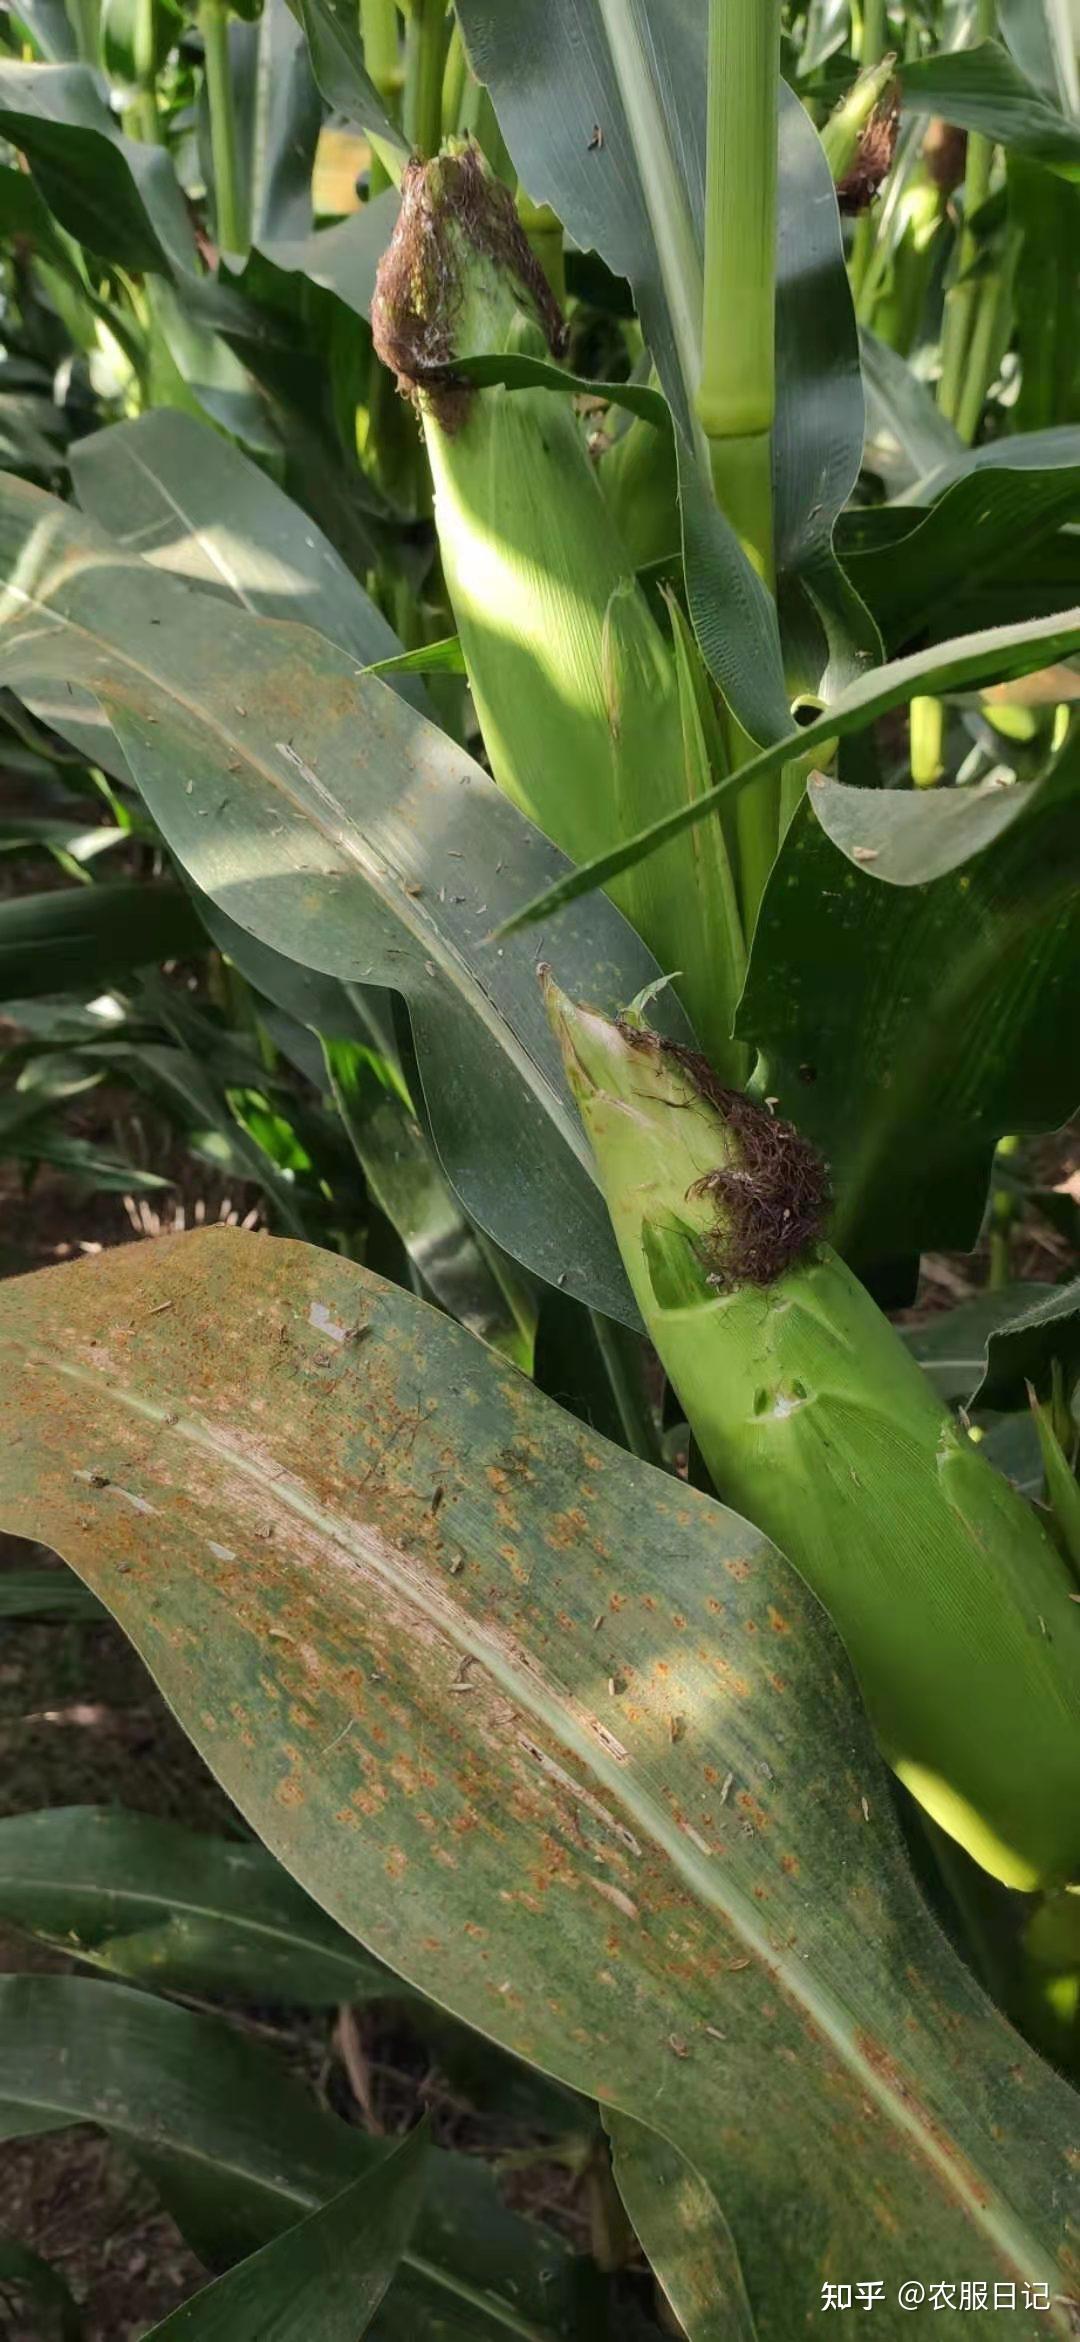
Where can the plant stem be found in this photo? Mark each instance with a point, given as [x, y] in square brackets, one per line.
[1003, 1213]
[84, 20]
[229, 217]
[736, 394]
[379, 35]
[962, 302]
[620, 1356]
[927, 721]
[874, 32]
[425, 57]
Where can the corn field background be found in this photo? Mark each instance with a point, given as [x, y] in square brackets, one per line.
[539, 1170]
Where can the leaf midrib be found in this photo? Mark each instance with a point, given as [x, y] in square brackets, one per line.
[989, 2212]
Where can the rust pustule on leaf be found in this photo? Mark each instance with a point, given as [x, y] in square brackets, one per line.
[771, 1195]
[865, 176]
[452, 209]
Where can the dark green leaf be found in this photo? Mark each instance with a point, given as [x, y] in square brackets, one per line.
[914, 583]
[1024, 1350]
[908, 1025]
[156, 1904]
[337, 61]
[27, 2271]
[117, 195]
[951, 1345]
[46, 1593]
[324, 2279]
[981, 88]
[239, 2152]
[81, 937]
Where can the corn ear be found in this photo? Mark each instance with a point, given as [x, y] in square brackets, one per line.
[573, 681]
[816, 1423]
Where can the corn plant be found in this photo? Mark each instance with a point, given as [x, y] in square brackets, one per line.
[577, 640]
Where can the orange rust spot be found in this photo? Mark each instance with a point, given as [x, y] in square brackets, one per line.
[712, 1604]
[710, 1772]
[779, 1624]
[738, 1568]
[790, 1863]
[778, 1682]
[677, 1619]
[878, 2059]
[473, 1928]
[648, 1602]
[661, 1667]
[396, 1863]
[289, 1792]
[750, 1625]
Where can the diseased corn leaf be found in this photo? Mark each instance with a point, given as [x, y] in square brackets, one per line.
[982, 88]
[331, 821]
[324, 2279]
[1000, 654]
[907, 989]
[569, 1745]
[156, 1904]
[239, 2151]
[683, 2234]
[1044, 1327]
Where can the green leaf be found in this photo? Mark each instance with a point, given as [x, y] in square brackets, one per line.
[1023, 1350]
[444, 1739]
[324, 2279]
[907, 436]
[180, 496]
[239, 2152]
[26, 2270]
[82, 937]
[117, 195]
[951, 1345]
[337, 61]
[337, 826]
[981, 88]
[342, 259]
[46, 1593]
[998, 654]
[914, 583]
[157, 1904]
[921, 1021]
[278, 118]
[1045, 211]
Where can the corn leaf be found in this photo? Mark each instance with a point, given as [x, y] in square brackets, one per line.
[239, 2152]
[332, 822]
[974, 897]
[324, 2279]
[156, 1904]
[1023, 1350]
[1000, 654]
[982, 88]
[673, 1837]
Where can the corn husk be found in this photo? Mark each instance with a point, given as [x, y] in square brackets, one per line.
[816, 1423]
